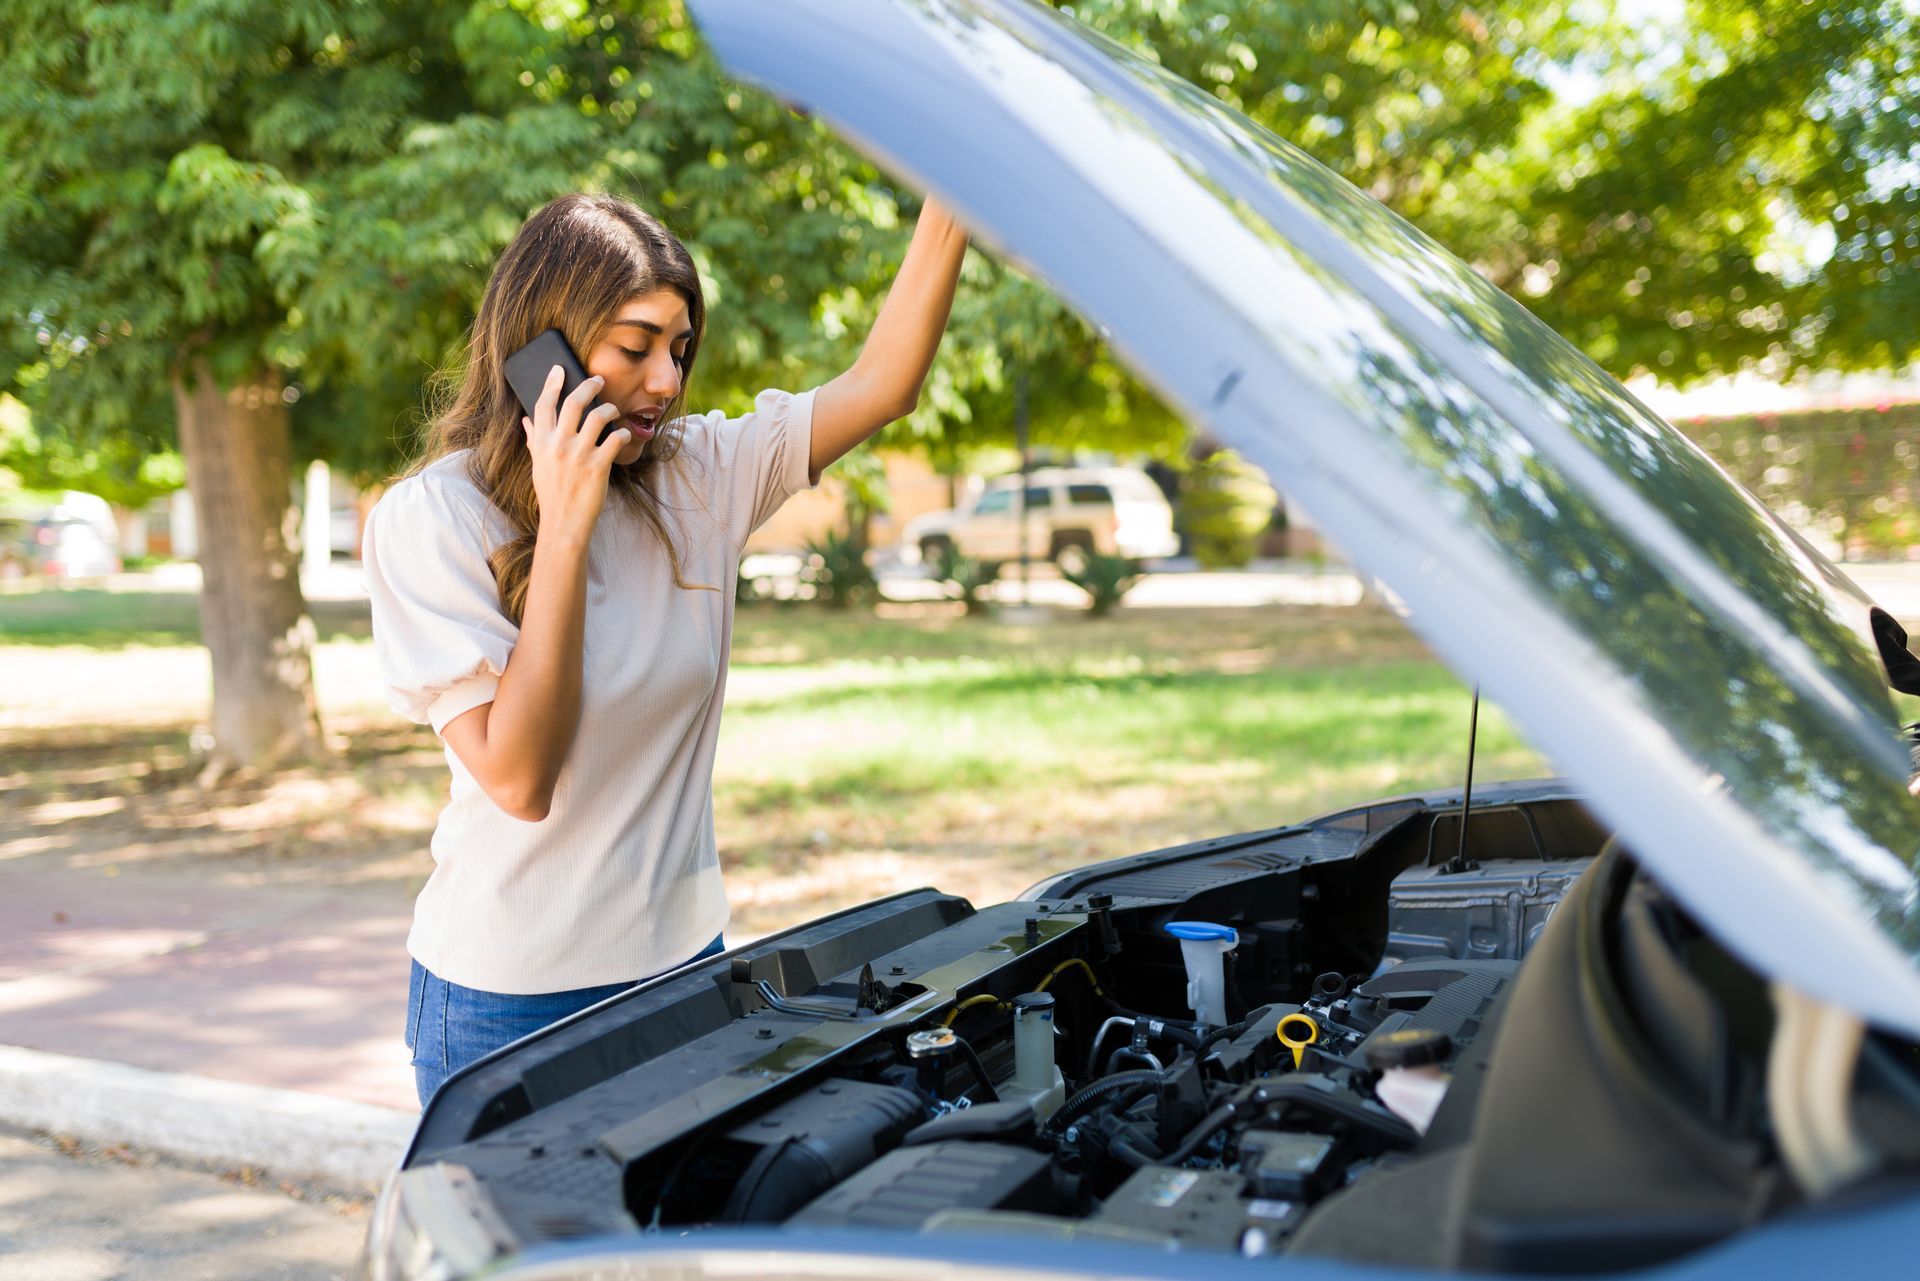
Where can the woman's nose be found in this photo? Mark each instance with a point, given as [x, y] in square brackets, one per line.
[663, 378]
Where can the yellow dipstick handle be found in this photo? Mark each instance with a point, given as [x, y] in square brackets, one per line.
[1297, 1032]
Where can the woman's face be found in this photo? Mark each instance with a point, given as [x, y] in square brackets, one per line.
[640, 358]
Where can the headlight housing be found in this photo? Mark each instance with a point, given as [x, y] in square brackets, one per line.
[432, 1224]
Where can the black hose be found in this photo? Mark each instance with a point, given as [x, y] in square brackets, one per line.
[1381, 1122]
[1204, 1131]
[1126, 1013]
[987, 1093]
[1219, 1034]
[1130, 1097]
[1083, 1099]
[1367, 1116]
[1178, 1035]
[1129, 1155]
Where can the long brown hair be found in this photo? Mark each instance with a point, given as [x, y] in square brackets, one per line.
[571, 267]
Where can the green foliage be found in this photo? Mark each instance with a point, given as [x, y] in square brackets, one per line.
[116, 468]
[1397, 97]
[1852, 474]
[1739, 192]
[967, 577]
[1225, 504]
[1105, 579]
[320, 188]
[836, 568]
[1670, 210]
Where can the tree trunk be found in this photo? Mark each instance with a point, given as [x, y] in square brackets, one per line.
[252, 616]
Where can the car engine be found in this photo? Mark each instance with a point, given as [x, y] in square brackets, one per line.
[1291, 1041]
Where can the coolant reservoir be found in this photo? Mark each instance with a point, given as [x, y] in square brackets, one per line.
[1036, 1079]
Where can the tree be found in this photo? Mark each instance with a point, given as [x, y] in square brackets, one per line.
[1742, 193]
[1739, 189]
[254, 229]
[257, 227]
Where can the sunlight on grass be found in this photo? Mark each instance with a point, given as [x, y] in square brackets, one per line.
[859, 755]
[1002, 760]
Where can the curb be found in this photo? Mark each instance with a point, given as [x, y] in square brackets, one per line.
[291, 1134]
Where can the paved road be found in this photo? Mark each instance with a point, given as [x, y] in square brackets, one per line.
[76, 1213]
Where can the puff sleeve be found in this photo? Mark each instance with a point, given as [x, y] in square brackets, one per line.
[438, 632]
[760, 459]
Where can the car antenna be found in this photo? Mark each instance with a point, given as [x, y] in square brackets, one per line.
[1458, 863]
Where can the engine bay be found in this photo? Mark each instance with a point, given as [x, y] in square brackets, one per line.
[1280, 1042]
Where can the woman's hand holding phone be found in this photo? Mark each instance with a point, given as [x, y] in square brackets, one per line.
[569, 470]
[514, 745]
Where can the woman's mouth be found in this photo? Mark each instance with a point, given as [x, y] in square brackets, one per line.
[643, 424]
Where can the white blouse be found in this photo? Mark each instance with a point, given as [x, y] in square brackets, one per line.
[622, 878]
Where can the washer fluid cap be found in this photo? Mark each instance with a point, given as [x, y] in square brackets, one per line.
[1203, 931]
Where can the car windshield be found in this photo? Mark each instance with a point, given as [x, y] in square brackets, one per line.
[1650, 625]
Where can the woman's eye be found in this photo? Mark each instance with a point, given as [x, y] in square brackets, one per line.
[634, 355]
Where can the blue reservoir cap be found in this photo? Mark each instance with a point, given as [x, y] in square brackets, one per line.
[1202, 930]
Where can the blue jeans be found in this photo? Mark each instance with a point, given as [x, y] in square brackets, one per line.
[449, 1026]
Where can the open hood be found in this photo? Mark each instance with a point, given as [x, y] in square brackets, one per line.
[1705, 676]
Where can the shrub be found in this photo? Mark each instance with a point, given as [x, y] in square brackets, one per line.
[1850, 474]
[1105, 579]
[836, 568]
[1225, 504]
[966, 576]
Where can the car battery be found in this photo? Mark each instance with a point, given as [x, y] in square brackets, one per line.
[1194, 1207]
[1283, 1165]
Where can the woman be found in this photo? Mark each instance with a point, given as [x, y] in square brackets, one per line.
[560, 612]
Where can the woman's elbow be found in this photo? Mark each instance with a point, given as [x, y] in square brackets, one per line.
[907, 403]
[512, 778]
[532, 811]
[894, 409]
[529, 802]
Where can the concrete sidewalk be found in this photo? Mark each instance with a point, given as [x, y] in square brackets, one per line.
[154, 1009]
[296, 988]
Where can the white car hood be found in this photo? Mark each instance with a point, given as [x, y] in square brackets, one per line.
[1705, 677]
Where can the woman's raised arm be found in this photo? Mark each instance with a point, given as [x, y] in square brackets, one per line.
[884, 383]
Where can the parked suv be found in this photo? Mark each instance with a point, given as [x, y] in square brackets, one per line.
[1071, 513]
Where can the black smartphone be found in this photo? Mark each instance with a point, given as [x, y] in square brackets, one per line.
[527, 371]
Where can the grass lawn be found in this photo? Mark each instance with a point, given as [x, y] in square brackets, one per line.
[859, 754]
[105, 619]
